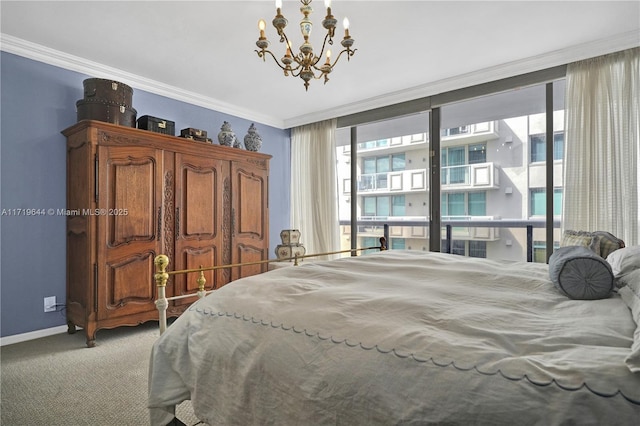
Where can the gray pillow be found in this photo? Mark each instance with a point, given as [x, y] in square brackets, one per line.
[579, 273]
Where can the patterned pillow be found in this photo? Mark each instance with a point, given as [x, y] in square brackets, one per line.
[608, 243]
[579, 273]
[581, 238]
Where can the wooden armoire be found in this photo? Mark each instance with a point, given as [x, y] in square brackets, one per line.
[133, 194]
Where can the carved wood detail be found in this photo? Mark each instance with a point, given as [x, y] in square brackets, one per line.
[169, 219]
[226, 228]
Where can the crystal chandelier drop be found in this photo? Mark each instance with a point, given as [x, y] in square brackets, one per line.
[305, 63]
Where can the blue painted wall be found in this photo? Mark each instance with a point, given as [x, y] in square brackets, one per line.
[37, 103]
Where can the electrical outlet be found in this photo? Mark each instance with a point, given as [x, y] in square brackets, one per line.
[50, 304]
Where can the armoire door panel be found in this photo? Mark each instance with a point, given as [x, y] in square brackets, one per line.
[131, 205]
[199, 197]
[200, 191]
[129, 284]
[196, 258]
[129, 197]
[248, 254]
[249, 213]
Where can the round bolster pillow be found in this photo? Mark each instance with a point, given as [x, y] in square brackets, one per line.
[579, 273]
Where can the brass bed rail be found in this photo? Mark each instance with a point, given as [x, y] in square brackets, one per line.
[161, 276]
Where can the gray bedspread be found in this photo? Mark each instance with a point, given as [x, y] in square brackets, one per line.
[398, 337]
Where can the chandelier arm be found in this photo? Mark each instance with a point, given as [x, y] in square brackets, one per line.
[350, 53]
[284, 68]
[324, 43]
[261, 53]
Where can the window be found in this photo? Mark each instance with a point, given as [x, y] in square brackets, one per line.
[491, 129]
[383, 206]
[451, 158]
[375, 171]
[453, 204]
[455, 131]
[539, 146]
[369, 242]
[478, 153]
[540, 250]
[478, 249]
[464, 204]
[539, 202]
[397, 243]
[381, 143]
[458, 247]
[477, 204]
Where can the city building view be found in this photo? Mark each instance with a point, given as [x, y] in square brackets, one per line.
[493, 177]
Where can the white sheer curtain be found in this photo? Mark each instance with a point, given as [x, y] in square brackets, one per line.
[602, 145]
[314, 194]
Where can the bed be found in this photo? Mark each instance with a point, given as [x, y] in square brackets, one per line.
[399, 337]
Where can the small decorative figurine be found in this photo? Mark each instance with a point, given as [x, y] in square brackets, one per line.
[252, 140]
[226, 135]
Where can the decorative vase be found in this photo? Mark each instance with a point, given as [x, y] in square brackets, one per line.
[226, 135]
[290, 236]
[252, 140]
[290, 251]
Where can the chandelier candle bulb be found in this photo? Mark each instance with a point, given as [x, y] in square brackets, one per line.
[345, 24]
[262, 25]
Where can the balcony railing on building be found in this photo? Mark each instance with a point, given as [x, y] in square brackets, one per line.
[400, 181]
[470, 133]
[470, 176]
[413, 227]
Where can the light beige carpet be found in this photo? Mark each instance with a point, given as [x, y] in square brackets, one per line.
[57, 380]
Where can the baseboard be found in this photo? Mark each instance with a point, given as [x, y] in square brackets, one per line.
[17, 338]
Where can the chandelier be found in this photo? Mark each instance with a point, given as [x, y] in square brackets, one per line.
[304, 64]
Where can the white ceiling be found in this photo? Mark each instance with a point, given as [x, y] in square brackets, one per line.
[203, 52]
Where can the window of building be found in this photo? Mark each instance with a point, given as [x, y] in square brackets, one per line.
[458, 247]
[398, 243]
[453, 204]
[453, 131]
[539, 146]
[478, 249]
[384, 206]
[380, 143]
[477, 203]
[540, 250]
[477, 153]
[375, 170]
[464, 204]
[539, 201]
[454, 169]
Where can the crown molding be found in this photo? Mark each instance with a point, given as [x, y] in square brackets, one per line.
[564, 56]
[37, 52]
[511, 69]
